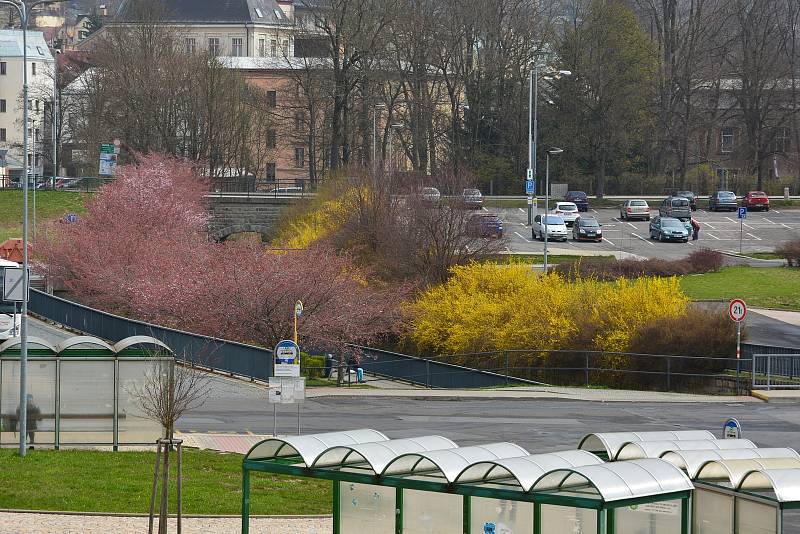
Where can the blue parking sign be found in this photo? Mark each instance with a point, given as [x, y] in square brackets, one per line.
[743, 212]
[529, 186]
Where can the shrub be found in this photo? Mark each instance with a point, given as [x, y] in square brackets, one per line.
[485, 307]
[699, 261]
[312, 366]
[790, 251]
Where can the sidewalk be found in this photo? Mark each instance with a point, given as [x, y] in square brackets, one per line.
[31, 523]
[528, 392]
[790, 317]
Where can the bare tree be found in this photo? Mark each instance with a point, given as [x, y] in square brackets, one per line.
[166, 394]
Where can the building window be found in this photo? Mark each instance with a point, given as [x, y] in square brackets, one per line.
[273, 48]
[272, 99]
[33, 68]
[285, 47]
[3, 67]
[236, 46]
[36, 134]
[3, 105]
[782, 142]
[262, 47]
[213, 46]
[272, 139]
[298, 20]
[270, 172]
[299, 121]
[299, 157]
[190, 44]
[36, 105]
[726, 140]
[2, 134]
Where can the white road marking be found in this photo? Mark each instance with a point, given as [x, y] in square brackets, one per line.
[786, 226]
[594, 210]
[754, 237]
[609, 241]
[731, 220]
[616, 219]
[523, 237]
[632, 225]
[775, 211]
[690, 243]
[712, 235]
[772, 222]
[484, 208]
[643, 239]
[747, 226]
[710, 226]
[522, 210]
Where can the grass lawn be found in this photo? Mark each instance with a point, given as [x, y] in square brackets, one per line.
[759, 286]
[539, 258]
[120, 482]
[49, 205]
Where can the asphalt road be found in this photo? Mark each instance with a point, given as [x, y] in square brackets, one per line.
[536, 424]
[761, 232]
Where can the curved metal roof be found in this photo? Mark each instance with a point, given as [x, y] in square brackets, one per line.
[732, 471]
[123, 344]
[610, 442]
[619, 480]
[33, 342]
[451, 462]
[310, 446]
[526, 469]
[784, 482]
[692, 460]
[83, 340]
[379, 454]
[655, 449]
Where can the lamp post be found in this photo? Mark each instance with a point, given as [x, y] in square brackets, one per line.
[533, 122]
[375, 109]
[552, 152]
[23, 11]
[394, 126]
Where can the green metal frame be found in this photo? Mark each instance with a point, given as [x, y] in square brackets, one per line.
[605, 510]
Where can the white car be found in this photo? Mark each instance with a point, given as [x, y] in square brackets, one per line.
[555, 228]
[567, 211]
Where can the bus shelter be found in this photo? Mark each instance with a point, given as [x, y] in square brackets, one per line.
[81, 391]
[431, 485]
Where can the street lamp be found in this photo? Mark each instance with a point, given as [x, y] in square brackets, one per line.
[375, 109]
[552, 152]
[393, 126]
[533, 121]
[23, 11]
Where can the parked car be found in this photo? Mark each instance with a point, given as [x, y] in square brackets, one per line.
[472, 199]
[635, 209]
[578, 198]
[567, 211]
[587, 229]
[66, 183]
[690, 196]
[677, 207]
[552, 224]
[287, 191]
[485, 225]
[756, 200]
[430, 195]
[722, 200]
[668, 229]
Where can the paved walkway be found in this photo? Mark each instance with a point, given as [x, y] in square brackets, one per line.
[27, 523]
[790, 317]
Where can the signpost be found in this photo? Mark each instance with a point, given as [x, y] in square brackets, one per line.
[108, 159]
[737, 310]
[298, 311]
[530, 190]
[286, 390]
[732, 429]
[14, 285]
[287, 359]
[742, 217]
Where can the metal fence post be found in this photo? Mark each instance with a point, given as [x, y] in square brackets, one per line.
[586, 369]
[769, 371]
[669, 374]
[505, 352]
[427, 373]
[57, 439]
[115, 421]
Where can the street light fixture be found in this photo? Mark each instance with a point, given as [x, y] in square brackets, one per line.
[552, 152]
[533, 122]
[23, 10]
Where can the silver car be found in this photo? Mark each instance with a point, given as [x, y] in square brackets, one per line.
[634, 209]
[555, 228]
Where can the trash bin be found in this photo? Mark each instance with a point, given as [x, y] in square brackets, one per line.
[328, 369]
[360, 375]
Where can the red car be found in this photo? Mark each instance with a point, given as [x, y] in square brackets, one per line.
[756, 200]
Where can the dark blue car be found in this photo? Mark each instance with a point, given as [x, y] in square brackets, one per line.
[489, 225]
[578, 198]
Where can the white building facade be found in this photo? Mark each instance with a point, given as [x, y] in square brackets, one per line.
[40, 96]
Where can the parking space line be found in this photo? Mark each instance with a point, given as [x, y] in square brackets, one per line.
[484, 208]
[523, 237]
[643, 239]
[747, 226]
[771, 222]
[712, 235]
[710, 225]
[786, 226]
[754, 237]
[522, 210]
[609, 241]
[594, 210]
[775, 211]
[632, 225]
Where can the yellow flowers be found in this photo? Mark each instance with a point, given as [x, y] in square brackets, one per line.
[494, 307]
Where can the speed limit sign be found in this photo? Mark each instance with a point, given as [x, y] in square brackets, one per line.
[737, 310]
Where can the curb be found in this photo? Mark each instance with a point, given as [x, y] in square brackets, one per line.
[185, 516]
[759, 395]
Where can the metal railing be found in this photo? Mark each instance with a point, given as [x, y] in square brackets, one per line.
[252, 186]
[776, 371]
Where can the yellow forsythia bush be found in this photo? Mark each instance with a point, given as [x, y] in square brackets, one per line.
[324, 216]
[485, 307]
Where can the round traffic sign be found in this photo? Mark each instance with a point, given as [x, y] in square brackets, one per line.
[737, 310]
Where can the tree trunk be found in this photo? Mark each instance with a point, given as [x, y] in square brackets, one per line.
[600, 175]
[164, 505]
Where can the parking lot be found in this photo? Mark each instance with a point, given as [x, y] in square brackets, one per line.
[760, 232]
